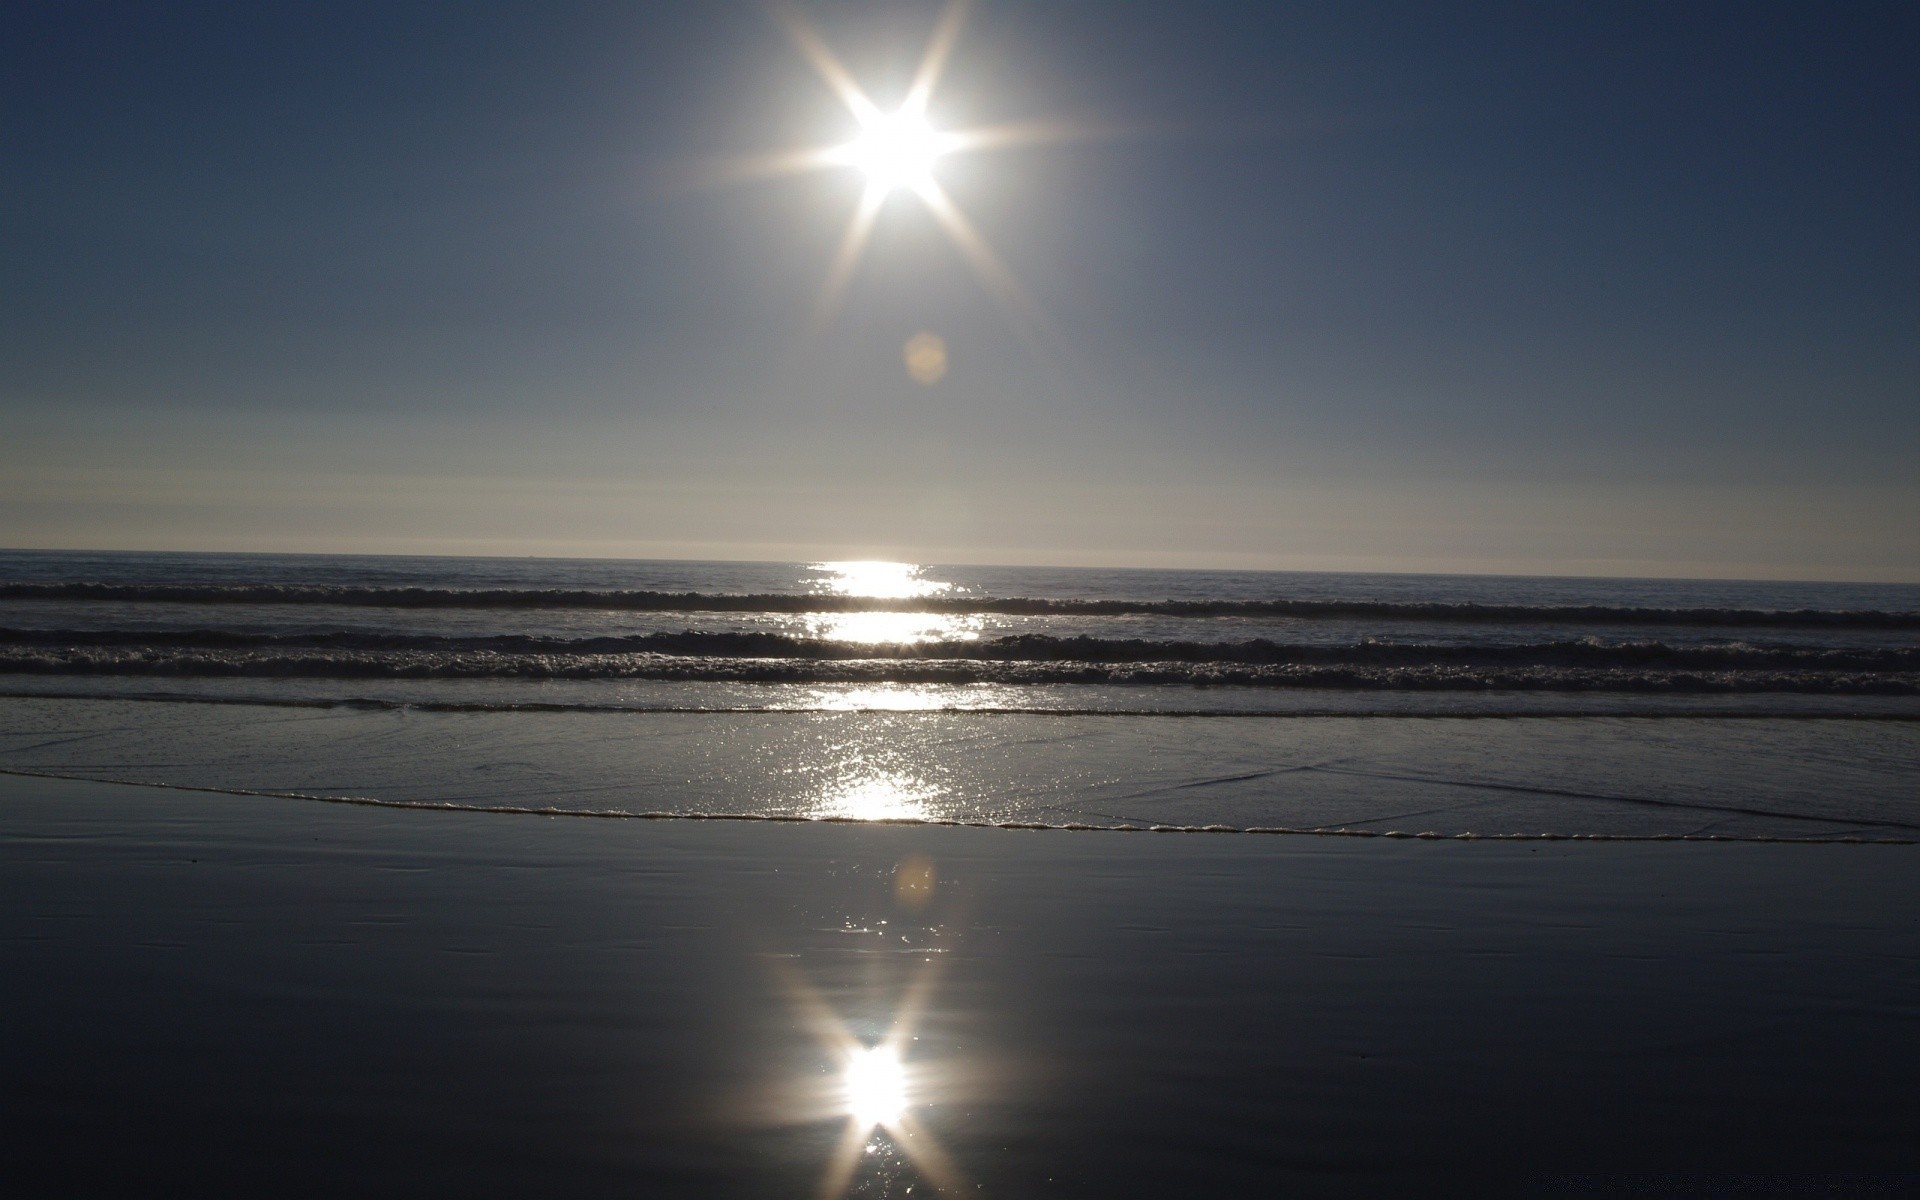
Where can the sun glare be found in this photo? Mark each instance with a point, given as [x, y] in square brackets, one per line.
[876, 795]
[896, 150]
[879, 579]
[876, 1086]
[867, 1087]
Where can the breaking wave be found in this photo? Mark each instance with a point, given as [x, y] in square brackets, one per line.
[658, 601]
[1366, 666]
[1020, 648]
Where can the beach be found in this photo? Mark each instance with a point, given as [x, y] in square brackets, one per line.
[215, 992]
[902, 598]
[486, 876]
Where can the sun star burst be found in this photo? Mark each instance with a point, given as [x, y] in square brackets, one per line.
[896, 152]
[879, 1088]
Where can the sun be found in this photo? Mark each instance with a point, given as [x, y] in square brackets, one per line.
[896, 150]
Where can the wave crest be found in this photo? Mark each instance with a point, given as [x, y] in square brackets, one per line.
[655, 601]
[490, 664]
[1035, 648]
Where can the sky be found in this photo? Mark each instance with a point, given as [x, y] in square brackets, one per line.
[1605, 289]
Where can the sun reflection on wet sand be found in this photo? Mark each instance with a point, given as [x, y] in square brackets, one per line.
[877, 1088]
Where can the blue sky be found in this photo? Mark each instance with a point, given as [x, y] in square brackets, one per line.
[1546, 288]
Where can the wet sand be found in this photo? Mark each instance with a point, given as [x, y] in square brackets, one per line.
[221, 993]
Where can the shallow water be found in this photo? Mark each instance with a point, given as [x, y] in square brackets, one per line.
[1580, 776]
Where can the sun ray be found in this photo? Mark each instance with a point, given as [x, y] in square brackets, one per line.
[912, 1139]
[847, 257]
[995, 274]
[1028, 133]
[914, 1003]
[748, 168]
[934, 61]
[927, 1154]
[823, 60]
[844, 1161]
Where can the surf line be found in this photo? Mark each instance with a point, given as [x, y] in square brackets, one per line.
[508, 707]
[519, 810]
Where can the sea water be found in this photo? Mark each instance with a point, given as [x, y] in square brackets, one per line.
[1131, 699]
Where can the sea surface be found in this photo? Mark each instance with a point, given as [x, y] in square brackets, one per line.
[1130, 699]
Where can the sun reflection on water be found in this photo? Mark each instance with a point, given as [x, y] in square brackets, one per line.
[880, 628]
[908, 697]
[879, 580]
[877, 794]
[898, 697]
[886, 580]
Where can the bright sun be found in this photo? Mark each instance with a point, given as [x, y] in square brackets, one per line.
[896, 150]
[876, 1086]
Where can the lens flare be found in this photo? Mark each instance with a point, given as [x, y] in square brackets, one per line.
[926, 358]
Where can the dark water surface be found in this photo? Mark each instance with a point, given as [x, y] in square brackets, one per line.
[214, 994]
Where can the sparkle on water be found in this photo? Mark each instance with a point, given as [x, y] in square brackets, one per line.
[877, 795]
[877, 578]
[881, 580]
[883, 628]
[906, 697]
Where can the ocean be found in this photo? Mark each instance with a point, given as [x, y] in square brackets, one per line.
[502, 877]
[1354, 704]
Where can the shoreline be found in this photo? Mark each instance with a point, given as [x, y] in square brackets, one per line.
[603, 814]
[224, 990]
[1545, 777]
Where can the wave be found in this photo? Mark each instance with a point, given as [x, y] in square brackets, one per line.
[961, 708]
[656, 601]
[489, 664]
[1038, 648]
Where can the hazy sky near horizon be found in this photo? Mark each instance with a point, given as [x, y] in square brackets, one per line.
[1551, 288]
